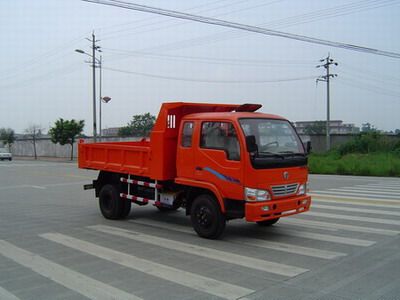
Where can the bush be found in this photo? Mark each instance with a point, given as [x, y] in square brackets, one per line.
[369, 142]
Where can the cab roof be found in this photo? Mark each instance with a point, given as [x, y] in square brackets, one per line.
[231, 116]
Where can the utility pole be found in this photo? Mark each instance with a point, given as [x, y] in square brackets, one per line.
[327, 62]
[100, 97]
[93, 56]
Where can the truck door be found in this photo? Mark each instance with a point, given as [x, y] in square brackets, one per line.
[185, 155]
[218, 159]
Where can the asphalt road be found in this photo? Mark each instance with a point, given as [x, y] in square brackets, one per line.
[54, 244]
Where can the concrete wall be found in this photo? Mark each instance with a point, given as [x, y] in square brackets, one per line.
[318, 142]
[46, 148]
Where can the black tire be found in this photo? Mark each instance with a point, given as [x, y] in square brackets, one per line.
[126, 208]
[111, 204]
[206, 216]
[268, 222]
[10, 159]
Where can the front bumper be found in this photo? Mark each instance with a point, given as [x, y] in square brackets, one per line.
[254, 212]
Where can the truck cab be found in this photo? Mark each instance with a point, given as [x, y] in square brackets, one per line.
[255, 163]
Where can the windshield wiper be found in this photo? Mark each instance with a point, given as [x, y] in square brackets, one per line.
[272, 154]
[291, 153]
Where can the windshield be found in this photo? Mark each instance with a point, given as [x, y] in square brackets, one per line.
[3, 150]
[273, 136]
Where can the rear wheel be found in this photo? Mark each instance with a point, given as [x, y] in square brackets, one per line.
[126, 208]
[206, 216]
[268, 222]
[111, 204]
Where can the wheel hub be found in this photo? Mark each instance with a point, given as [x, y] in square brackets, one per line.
[204, 217]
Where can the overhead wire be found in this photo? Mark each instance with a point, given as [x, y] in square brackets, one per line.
[230, 34]
[210, 60]
[363, 86]
[285, 22]
[158, 22]
[203, 80]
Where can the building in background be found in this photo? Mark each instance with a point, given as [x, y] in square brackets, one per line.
[319, 127]
[112, 131]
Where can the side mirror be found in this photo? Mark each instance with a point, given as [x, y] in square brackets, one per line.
[251, 144]
[308, 147]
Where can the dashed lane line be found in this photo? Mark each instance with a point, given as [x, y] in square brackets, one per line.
[181, 277]
[354, 199]
[317, 224]
[78, 282]
[387, 198]
[6, 295]
[244, 261]
[354, 218]
[280, 230]
[357, 209]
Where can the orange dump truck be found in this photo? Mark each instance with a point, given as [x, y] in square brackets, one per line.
[218, 161]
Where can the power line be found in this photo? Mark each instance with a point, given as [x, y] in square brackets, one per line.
[210, 60]
[184, 22]
[213, 21]
[209, 80]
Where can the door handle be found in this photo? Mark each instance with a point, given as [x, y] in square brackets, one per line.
[199, 169]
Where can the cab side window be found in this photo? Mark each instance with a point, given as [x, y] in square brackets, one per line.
[221, 136]
[187, 134]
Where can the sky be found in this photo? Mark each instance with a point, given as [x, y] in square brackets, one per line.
[150, 59]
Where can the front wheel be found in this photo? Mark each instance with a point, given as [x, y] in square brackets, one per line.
[268, 222]
[206, 216]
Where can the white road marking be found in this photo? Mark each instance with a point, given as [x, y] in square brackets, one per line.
[385, 197]
[377, 187]
[388, 185]
[354, 218]
[336, 195]
[191, 280]
[38, 187]
[317, 199]
[317, 224]
[328, 238]
[285, 231]
[6, 295]
[370, 192]
[78, 282]
[358, 209]
[223, 255]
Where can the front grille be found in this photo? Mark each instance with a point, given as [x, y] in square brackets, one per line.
[284, 190]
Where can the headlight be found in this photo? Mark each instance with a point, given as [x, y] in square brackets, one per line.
[253, 195]
[302, 189]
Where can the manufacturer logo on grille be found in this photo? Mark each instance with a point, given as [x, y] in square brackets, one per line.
[286, 175]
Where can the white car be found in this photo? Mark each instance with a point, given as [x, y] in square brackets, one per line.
[5, 154]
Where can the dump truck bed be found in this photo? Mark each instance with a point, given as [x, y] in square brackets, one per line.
[120, 157]
[156, 158]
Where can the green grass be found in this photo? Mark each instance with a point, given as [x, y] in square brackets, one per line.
[370, 164]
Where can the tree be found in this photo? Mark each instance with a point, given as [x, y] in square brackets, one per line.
[368, 127]
[318, 127]
[33, 132]
[125, 131]
[65, 131]
[7, 136]
[141, 125]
